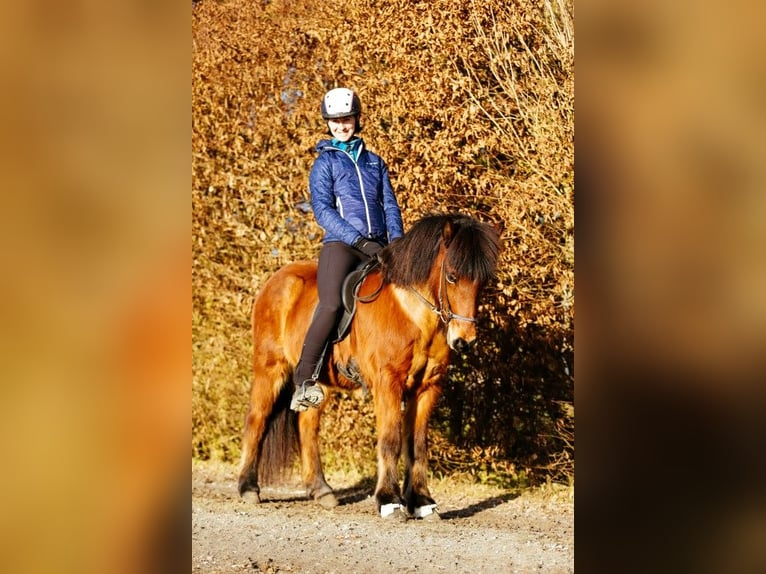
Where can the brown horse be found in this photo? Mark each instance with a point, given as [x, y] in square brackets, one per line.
[416, 306]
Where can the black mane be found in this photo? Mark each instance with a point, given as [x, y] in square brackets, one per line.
[472, 250]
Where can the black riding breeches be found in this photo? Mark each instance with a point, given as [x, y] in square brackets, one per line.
[336, 260]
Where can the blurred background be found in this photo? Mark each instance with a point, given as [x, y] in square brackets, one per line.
[95, 292]
[671, 276]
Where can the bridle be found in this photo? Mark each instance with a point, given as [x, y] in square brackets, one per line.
[443, 310]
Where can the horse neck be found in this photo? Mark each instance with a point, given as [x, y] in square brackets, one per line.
[422, 302]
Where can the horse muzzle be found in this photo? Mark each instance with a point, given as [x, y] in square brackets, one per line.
[461, 345]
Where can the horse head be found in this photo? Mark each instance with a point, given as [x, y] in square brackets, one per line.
[445, 260]
[466, 261]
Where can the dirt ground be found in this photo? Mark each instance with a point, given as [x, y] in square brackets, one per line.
[482, 529]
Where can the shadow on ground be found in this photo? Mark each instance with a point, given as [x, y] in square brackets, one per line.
[357, 493]
[477, 507]
[364, 490]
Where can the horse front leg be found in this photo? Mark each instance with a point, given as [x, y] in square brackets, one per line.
[311, 462]
[418, 498]
[388, 417]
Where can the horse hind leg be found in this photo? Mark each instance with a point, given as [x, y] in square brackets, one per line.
[264, 394]
[248, 474]
[311, 462]
[271, 438]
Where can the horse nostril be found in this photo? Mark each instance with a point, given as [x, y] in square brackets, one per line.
[461, 345]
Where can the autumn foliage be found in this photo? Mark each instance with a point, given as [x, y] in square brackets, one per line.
[471, 104]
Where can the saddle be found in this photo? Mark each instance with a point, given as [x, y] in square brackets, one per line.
[349, 295]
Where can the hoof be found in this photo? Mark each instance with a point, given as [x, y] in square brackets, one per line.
[327, 500]
[393, 512]
[251, 496]
[426, 512]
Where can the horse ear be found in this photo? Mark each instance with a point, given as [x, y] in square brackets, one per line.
[447, 232]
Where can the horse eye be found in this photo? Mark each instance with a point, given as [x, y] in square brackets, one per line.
[451, 278]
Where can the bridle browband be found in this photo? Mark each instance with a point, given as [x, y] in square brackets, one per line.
[443, 310]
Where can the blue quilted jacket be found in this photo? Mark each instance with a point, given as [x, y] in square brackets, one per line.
[353, 199]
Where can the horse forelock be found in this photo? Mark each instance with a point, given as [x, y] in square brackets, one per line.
[472, 250]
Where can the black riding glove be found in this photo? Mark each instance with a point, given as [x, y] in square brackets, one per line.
[367, 246]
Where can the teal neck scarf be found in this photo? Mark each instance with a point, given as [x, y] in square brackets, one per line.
[352, 147]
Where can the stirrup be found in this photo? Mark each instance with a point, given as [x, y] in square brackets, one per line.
[308, 394]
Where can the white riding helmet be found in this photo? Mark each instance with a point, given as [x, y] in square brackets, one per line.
[340, 103]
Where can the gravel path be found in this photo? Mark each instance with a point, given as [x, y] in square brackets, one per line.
[481, 530]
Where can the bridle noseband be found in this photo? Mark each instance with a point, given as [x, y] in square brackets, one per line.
[443, 310]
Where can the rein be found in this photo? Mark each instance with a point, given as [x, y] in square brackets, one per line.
[369, 268]
[372, 296]
[443, 310]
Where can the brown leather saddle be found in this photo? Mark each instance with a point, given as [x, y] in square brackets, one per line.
[350, 295]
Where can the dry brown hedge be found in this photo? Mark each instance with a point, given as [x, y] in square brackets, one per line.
[472, 106]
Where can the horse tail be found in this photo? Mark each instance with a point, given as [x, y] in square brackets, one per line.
[278, 318]
[280, 445]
